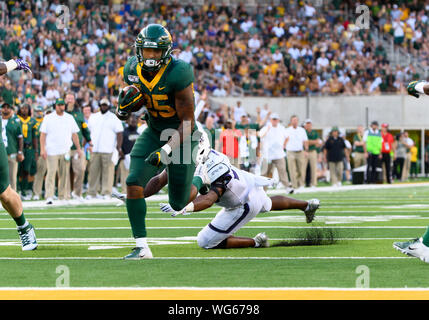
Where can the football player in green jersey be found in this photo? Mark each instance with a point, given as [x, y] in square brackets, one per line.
[418, 247]
[28, 128]
[9, 199]
[166, 85]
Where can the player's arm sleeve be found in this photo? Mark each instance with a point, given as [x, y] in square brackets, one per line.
[182, 76]
[128, 69]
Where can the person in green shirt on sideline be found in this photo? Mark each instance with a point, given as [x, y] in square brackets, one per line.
[358, 148]
[14, 142]
[78, 164]
[29, 128]
[41, 167]
[314, 144]
[373, 143]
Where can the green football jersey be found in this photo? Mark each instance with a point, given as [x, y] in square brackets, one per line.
[13, 133]
[37, 132]
[28, 127]
[83, 127]
[159, 92]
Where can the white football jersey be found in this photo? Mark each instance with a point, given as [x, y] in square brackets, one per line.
[240, 184]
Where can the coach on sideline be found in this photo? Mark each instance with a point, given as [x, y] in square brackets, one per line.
[58, 132]
[107, 134]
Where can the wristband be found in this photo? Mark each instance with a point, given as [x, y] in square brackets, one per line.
[419, 87]
[167, 149]
[190, 207]
[11, 65]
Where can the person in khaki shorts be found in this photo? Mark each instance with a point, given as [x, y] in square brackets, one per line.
[106, 133]
[358, 148]
[39, 177]
[78, 164]
[297, 153]
[58, 132]
[273, 136]
[314, 143]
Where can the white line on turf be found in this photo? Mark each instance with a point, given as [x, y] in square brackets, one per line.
[209, 258]
[155, 241]
[207, 288]
[261, 218]
[245, 227]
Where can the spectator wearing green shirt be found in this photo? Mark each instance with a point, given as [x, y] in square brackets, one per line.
[8, 94]
[211, 132]
[314, 143]
[27, 168]
[358, 148]
[78, 164]
[14, 141]
[373, 143]
[41, 166]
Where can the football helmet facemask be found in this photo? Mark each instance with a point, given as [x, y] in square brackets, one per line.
[157, 37]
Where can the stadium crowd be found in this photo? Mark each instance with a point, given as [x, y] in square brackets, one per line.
[282, 50]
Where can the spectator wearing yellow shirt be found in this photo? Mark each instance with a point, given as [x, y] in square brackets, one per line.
[413, 167]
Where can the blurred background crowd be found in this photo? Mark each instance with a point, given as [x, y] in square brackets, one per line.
[291, 48]
[287, 48]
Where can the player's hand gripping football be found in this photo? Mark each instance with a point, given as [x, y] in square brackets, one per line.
[130, 100]
[411, 88]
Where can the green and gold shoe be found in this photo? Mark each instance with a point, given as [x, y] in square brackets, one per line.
[139, 253]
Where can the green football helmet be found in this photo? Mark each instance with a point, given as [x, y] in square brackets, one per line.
[153, 36]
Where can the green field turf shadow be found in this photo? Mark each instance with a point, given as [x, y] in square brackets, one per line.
[310, 237]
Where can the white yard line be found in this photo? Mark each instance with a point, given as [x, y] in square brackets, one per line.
[245, 227]
[207, 288]
[164, 197]
[209, 258]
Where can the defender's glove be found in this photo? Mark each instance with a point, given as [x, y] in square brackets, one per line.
[411, 88]
[165, 207]
[201, 171]
[159, 157]
[22, 65]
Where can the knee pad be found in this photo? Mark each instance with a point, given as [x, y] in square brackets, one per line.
[202, 241]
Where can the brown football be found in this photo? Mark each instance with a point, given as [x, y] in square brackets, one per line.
[138, 104]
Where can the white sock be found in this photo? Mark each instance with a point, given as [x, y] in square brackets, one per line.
[24, 225]
[257, 244]
[141, 243]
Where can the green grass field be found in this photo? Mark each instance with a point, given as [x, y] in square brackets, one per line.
[91, 241]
